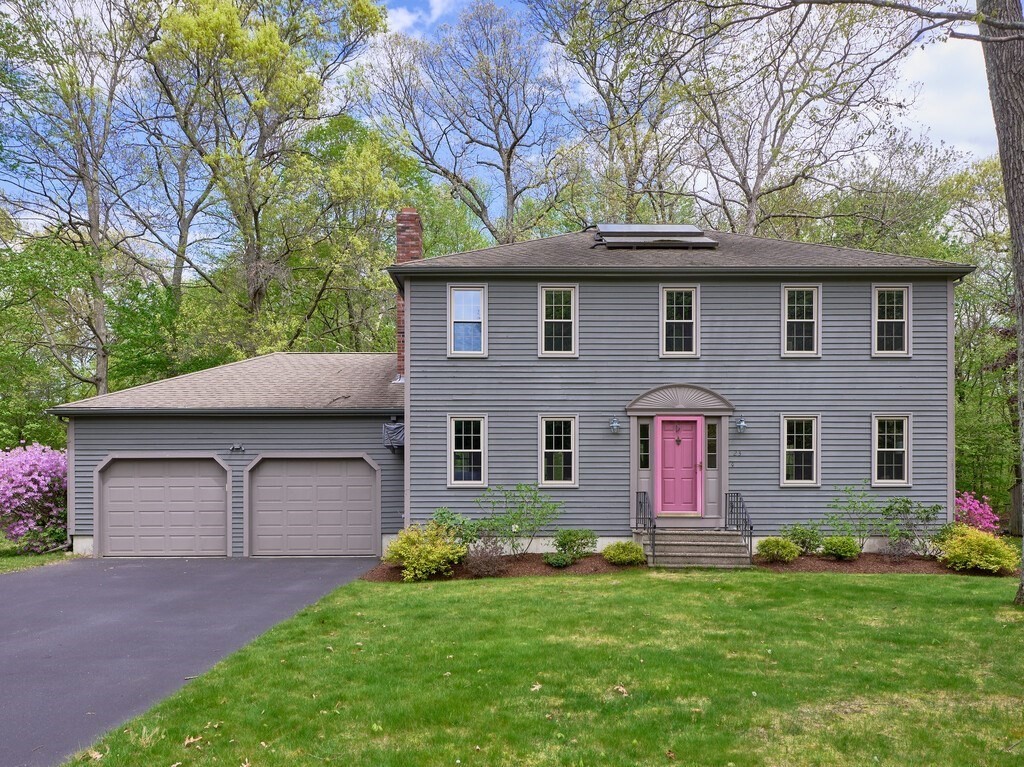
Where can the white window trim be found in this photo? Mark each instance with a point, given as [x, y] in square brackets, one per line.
[575, 290]
[783, 482]
[452, 418]
[908, 319]
[575, 448]
[662, 312]
[907, 450]
[483, 320]
[816, 354]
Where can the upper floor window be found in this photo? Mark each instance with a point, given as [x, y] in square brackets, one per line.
[557, 321]
[891, 455]
[680, 321]
[801, 324]
[558, 451]
[801, 451]
[467, 451]
[467, 321]
[891, 321]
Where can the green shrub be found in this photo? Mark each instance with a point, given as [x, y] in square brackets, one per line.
[840, 547]
[946, 532]
[776, 549]
[575, 544]
[425, 550]
[972, 549]
[558, 559]
[625, 553]
[854, 513]
[806, 537]
[907, 525]
[515, 515]
[466, 529]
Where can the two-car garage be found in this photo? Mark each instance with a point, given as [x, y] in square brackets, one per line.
[281, 455]
[296, 506]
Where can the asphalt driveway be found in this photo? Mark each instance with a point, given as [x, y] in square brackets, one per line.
[85, 645]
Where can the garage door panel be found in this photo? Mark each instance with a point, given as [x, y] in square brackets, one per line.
[163, 507]
[306, 506]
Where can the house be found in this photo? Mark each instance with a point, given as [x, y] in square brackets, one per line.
[654, 376]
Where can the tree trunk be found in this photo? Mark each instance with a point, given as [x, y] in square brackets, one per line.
[1004, 65]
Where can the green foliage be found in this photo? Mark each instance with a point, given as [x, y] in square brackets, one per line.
[625, 553]
[575, 544]
[807, 536]
[465, 529]
[972, 549]
[840, 547]
[424, 551]
[908, 526]
[559, 559]
[516, 515]
[854, 514]
[946, 532]
[775, 549]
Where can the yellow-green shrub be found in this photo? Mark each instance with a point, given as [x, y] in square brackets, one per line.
[775, 549]
[624, 553]
[425, 550]
[972, 549]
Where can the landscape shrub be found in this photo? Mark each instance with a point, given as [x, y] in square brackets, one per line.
[807, 537]
[575, 544]
[425, 550]
[516, 515]
[908, 526]
[558, 559]
[854, 513]
[624, 553]
[485, 558]
[840, 547]
[34, 498]
[975, 512]
[973, 549]
[775, 549]
[946, 532]
[466, 529]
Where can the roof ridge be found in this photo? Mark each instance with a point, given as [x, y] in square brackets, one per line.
[495, 246]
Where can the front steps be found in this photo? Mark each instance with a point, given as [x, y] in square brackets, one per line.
[679, 548]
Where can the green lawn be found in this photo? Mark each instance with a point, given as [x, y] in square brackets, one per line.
[11, 560]
[640, 668]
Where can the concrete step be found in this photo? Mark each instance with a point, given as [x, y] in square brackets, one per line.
[697, 547]
[702, 536]
[730, 563]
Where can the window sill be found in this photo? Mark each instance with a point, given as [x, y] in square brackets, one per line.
[559, 485]
[466, 356]
[679, 356]
[798, 485]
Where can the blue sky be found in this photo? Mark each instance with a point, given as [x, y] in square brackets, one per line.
[952, 94]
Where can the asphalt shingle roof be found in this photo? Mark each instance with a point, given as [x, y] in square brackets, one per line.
[581, 254]
[281, 382]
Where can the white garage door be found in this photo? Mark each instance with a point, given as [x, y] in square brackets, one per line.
[306, 506]
[163, 507]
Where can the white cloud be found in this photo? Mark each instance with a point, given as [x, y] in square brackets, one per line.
[415, 20]
[953, 102]
[401, 19]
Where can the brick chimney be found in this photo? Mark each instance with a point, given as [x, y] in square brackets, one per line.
[410, 248]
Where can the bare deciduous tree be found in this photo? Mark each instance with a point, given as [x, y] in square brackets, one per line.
[478, 105]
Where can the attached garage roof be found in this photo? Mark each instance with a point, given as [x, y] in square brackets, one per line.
[276, 383]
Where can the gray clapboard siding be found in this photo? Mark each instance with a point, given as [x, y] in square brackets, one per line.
[95, 437]
[618, 360]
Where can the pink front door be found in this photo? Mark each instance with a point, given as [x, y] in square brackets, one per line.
[678, 468]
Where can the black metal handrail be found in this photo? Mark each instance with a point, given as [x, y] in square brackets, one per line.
[737, 518]
[645, 520]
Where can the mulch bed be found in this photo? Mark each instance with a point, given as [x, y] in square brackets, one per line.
[866, 564]
[529, 564]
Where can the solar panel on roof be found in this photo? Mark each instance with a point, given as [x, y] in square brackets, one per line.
[653, 236]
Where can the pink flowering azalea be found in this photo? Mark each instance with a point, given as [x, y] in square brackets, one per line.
[33, 496]
[976, 512]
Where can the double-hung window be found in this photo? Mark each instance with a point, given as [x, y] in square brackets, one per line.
[467, 451]
[801, 451]
[558, 325]
[890, 462]
[467, 321]
[558, 451]
[801, 323]
[891, 321]
[680, 321]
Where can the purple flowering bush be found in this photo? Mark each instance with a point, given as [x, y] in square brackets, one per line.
[975, 512]
[34, 497]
